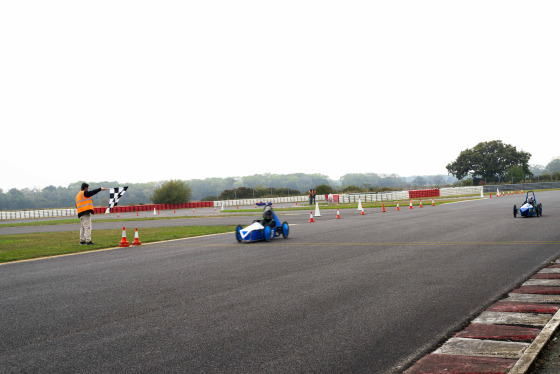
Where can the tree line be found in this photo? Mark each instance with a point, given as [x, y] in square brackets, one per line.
[209, 189]
[496, 162]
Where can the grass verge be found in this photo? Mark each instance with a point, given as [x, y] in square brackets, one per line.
[27, 246]
[41, 222]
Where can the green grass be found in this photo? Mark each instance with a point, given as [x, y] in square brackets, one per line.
[27, 246]
[77, 220]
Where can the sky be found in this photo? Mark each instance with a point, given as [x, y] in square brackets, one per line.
[145, 91]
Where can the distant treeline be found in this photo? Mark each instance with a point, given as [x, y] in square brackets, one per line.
[258, 185]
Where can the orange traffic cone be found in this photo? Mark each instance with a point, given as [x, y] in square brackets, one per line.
[433, 203]
[410, 207]
[174, 211]
[338, 213]
[384, 208]
[136, 213]
[118, 216]
[398, 206]
[420, 203]
[490, 194]
[124, 242]
[311, 217]
[136, 240]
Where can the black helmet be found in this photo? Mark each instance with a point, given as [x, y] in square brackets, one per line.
[267, 214]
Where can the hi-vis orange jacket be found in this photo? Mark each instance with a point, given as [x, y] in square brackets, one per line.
[83, 203]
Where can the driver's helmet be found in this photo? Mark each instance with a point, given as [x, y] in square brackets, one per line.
[267, 214]
[531, 199]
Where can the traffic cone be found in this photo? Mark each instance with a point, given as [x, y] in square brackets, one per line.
[338, 213]
[136, 240]
[317, 211]
[433, 203]
[136, 213]
[398, 206]
[193, 210]
[363, 212]
[311, 217]
[384, 208]
[174, 211]
[118, 216]
[124, 242]
[490, 195]
[360, 207]
[155, 211]
[420, 203]
[410, 207]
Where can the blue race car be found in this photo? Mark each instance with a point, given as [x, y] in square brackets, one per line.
[267, 228]
[529, 208]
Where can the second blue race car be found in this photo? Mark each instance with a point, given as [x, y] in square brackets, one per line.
[529, 208]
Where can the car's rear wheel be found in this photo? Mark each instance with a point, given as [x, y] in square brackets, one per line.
[285, 230]
[515, 211]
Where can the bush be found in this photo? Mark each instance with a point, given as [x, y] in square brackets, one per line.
[324, 189]
[172, 192]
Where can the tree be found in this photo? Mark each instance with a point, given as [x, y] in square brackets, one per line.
[419, 181]
[489, 161]
[553, 166]
[515, 174]
[172, 192]
[324, 189]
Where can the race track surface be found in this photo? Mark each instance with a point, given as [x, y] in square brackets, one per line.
[360, 294]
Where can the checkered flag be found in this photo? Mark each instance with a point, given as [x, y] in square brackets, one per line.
[114, 196]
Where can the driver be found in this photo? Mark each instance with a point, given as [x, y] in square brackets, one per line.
[531, 200]
[268, 217]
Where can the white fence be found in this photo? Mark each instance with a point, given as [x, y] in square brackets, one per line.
[456, 191]
[274, 200]
[22, 214]
[352, 198]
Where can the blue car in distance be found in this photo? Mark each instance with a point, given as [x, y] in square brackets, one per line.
[529, 208]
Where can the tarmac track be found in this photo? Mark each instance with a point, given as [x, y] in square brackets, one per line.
[366, 293]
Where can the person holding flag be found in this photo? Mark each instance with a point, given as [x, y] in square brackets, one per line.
[84, 205]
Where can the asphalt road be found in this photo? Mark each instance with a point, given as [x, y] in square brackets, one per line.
[359, 294]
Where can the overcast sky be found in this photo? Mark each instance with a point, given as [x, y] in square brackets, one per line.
[138, 91]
